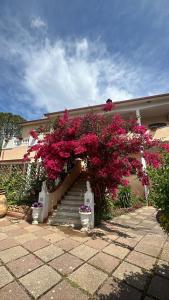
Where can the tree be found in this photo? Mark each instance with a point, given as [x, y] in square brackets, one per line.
[110, 146]
[9, 126]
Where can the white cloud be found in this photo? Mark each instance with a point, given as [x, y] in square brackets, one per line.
[67, 74]
[37, 23]
[70, 74]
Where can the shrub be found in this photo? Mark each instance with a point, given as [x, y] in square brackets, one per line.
[14, 186]
[22, 188]
[159, 190]
[164, 221]
[124, 201]
[108, 208]
[126, 198]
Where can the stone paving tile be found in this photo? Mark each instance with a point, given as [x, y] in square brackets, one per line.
[67, 244]
[166, 245]
[163, 268]
[21, 239]
[13, 290]
[42, 233]
[48, 253]
[105, 262]
[3, 236]
[131, 274]
[154, 239]
[112, 237]
[24, 265]
[40, 280]
[33, 228]
[127, 241]
[148, 249]
[117, 290]
[97, 243]
[64, 291]
[159, 288]
[36, 244]
[66, 263]
[80, 239]
[12, 254]
[88, 278]
[16, 232]
[84, 252]
[8, 243]
[4, 222]
[141, 260]
[116, 251]
[9, 228]
[54, 237]
[5, 277]
[165, 255]
[23, 224]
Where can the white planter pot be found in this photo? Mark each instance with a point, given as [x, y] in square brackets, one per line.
[36, 211]
[85, 218]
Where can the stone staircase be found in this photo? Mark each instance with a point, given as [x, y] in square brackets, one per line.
[67, 212]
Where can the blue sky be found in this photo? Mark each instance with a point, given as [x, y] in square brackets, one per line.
[57, 54]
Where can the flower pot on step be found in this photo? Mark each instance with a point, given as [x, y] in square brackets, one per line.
[85, 218]
[36, 212]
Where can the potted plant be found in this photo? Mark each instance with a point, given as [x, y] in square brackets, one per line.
[36, 211]
[85, 216]
[3, 203]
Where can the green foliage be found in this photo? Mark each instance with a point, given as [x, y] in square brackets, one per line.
[159, 191]
[125, 197]
[164, 221]
[35, 178]
[9, 126]
[14, 186]
[108, 207]
[22, 188]
[125, 200]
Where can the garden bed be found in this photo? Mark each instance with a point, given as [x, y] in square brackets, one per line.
[163, 218]
[20, 212]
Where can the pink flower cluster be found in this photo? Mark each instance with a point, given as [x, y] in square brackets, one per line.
[110, 145]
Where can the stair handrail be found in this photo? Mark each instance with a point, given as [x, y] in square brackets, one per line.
[58, 194]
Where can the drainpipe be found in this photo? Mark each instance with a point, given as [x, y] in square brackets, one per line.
[144, 168]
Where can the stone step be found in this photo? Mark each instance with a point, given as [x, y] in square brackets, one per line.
[74, 195]
[79, 186]
[75, 198]
[75, 192]
[71, 202]
[68, 208]
[62, 221]
[83, 189]
[67, 214]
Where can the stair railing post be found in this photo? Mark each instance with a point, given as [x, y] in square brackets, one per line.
[43, 198]
[89, 200]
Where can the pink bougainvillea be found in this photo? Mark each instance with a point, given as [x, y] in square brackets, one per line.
[110, 145]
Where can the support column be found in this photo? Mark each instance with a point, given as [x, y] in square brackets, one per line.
[144, 168]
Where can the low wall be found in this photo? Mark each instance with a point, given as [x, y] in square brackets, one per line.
[56, 196]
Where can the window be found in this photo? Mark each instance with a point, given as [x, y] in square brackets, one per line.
[25, 141]
[17, 142]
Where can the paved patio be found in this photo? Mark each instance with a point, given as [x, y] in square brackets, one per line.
[126, 259]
